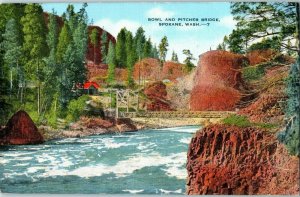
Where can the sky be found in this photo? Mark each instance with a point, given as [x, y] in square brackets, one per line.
[198, 39]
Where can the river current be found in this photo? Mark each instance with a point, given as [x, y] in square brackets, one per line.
[144, 162]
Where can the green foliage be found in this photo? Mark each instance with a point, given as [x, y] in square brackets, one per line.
[265, 44]
[76, 108]
[155, 52]
[188, 61]
[163, 48]
[236, 120]
[94, 41]
[111, 60]
[291, 134]
[121, 48]
[147, 52]
[139, 42]
[276, 20]
[131, 56]
[253, 72]
[63, 42]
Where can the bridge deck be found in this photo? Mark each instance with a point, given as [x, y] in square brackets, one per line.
[179, 114]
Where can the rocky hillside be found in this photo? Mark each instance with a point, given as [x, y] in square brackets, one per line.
[246, 159]
[217, 83]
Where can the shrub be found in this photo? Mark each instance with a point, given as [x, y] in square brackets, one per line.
[76, 108]
[236, 120]
[253, 72]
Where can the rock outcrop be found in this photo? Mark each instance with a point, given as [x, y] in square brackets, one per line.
[157, 97]
[217, 81]
[173, 71]
[231, 160]
[20, 129]
[125, 125]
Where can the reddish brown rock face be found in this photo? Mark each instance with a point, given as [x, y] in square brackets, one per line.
[157, 95]
[173, 71]
[232, 160]
[217, 82]
[148, 69]
[19, 130]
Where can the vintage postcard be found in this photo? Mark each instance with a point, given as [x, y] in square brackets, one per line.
[167, 97]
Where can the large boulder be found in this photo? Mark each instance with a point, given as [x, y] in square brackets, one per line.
[20, 129]
[218, 81]
[157, 94]
[232, 160]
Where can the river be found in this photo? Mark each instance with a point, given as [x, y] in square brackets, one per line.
[144, 162]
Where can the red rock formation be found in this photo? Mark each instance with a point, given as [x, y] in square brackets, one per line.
[173, 71]
[157, 95]
[147, 69]
[260, 56]
[19, 130]
[125, 125]
[217, 81]
[232, 160]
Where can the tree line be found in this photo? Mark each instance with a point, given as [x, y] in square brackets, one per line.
[41, 62]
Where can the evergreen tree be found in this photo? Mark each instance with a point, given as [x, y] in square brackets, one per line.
[131, 56]
[12, 47]
[155, 52]
[174, 57]
[147, 48]
[94, 41]
[80, 44]
[64, 40]
[163, 49]
[265, 20]
[35, 46]
[121, 48]
[103, 46]
[290, 136]
[111, 60]
[139, 42]
[188, 61]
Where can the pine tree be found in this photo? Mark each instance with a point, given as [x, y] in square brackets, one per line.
[139, 42]
[103, 46]
[147, 48]
[111, 60]
[188, 61]
[121, 48]
[163, 49]
[94, 41]
[13, 49]
[155, 52]
[131, 56]
[290, 136]
[174, 57]
[35, 46]
[64, 40]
